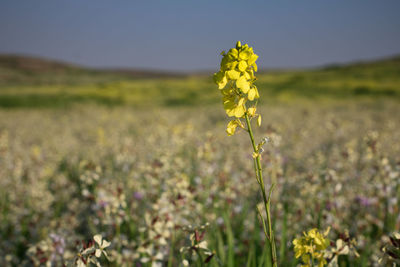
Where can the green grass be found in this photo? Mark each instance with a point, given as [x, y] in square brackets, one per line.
[51, 85]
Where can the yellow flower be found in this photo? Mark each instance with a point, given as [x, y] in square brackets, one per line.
[234, 109]
[251, 111]
[238, 60]
[312, 246]
[243, 84]
[245, 55]
[233, 74]
[231, 127]
[235, 80]
[253, 93]
[242, 65]
[220, 79]
[252, 59]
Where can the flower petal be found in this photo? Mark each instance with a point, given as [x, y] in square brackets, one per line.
[105, 244]
[252, 94]
[242, 65]
[98, 253]
[97, 239]
[243, 84]
[233, 74]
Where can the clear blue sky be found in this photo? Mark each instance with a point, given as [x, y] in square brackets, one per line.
[188, 34]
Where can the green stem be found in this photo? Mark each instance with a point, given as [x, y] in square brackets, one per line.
[118, 234]
[312, 257]
[200, 257]
[267, 200]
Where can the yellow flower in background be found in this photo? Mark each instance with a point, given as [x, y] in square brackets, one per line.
[312, 247]
[235, 80]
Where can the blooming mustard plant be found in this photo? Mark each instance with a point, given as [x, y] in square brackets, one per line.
[235, 80]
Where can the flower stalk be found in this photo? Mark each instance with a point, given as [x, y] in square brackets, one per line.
[236, 83]
[269, 233]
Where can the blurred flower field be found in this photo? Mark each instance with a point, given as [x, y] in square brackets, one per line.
[167, 187]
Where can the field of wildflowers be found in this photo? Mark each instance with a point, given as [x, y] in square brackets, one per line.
[167, 187]
[95, 185]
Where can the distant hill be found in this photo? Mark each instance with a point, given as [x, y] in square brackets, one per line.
[27, 69]
[392, 61]
[34, 82]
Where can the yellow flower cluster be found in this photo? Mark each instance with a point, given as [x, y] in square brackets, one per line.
[235, 80]
[311, 247]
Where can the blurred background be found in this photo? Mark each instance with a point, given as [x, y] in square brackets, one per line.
[107, 52]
